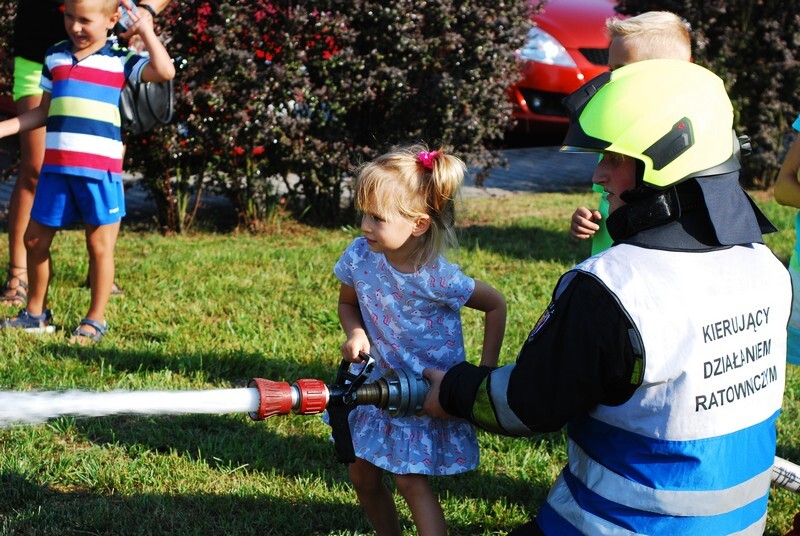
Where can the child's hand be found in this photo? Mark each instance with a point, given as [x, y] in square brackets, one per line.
[353, 346]
[142, 22]
[582, 224]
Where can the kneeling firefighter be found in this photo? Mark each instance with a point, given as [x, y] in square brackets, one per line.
[665, 354]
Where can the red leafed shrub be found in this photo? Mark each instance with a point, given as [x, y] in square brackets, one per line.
[283, 99]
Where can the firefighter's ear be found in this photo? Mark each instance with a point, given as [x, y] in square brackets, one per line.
[421, 225]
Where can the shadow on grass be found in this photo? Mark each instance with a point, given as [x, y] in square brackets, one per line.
[233, 368]
[27, 507]
[790, 453]
[281, 445]
[223, 442]
[525, 243]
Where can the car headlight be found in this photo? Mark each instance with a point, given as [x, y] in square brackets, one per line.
[542, 47]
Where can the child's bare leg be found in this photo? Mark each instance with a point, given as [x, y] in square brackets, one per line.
[19, 210]
[423, 503]
[375, 497]
[100, 241]
[38, 238]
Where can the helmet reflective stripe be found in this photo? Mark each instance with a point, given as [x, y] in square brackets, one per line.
[672, 115]
[671, 145]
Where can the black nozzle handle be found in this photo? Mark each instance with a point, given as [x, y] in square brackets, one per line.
[340, 430]
[342, 402]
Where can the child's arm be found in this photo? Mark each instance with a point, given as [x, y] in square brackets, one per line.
[489, 300]
[787, 187]
[352, 324]
[30, 120]
[160, 67]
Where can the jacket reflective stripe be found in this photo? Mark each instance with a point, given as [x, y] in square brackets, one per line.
[483, 411]
[497, 387]
[614, 487]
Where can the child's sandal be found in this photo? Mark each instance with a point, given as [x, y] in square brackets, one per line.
[29, 323]
[15, 295]
[83, 336]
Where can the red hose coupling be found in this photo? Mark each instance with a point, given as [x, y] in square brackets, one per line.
[313, 396]
[275, 398]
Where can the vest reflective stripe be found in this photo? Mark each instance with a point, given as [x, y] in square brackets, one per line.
[691, 451]
[617, 488]
[575, 510]
[562, 503]
[666, 463]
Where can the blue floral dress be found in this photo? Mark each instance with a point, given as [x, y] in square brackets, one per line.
[413, 321]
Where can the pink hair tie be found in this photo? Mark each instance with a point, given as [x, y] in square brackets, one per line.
[427, 158]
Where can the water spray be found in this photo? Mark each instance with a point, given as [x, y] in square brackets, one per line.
[399, 392]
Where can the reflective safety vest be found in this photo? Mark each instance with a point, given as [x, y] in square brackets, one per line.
[691, 452]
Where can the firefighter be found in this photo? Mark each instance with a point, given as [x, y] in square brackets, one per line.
[664, 355]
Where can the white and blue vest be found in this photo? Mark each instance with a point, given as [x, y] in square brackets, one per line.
[692, 451]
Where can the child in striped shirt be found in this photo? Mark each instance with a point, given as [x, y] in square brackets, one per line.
[81, 176]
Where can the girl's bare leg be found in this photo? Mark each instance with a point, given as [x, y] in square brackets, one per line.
[375, 497]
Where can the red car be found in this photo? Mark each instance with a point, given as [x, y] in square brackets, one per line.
[566, 47]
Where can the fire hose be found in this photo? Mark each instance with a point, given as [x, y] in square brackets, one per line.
[786, 474]
[399, 392]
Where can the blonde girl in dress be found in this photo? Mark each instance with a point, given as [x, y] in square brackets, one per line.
[400, 301]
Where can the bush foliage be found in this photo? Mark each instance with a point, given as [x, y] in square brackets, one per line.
[7, 11]
[753, 47]
[288, 97]
[278, 101]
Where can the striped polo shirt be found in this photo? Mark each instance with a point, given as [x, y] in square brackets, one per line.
[84, 137]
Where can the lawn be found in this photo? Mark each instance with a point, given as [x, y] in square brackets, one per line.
[212, 310]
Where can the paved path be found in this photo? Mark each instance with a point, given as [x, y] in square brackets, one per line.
[537, 169]
[530, 169]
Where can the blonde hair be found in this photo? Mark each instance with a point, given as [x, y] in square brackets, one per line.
[109, 7]
[655, 34]
[399, 184]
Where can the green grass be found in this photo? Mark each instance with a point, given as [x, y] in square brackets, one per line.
[212, 311]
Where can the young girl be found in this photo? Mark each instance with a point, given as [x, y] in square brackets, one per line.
[399, 300]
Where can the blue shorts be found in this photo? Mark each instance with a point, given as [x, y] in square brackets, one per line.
[64, 199]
